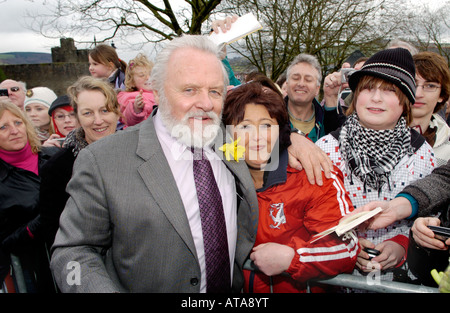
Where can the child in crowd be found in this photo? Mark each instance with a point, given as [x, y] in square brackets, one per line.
[137, 101]
[105, 63]
[36, 105]
[380, 154]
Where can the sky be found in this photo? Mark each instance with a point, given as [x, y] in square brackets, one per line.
[15, 35]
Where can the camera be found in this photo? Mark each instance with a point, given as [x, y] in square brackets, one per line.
[372, 253]
[345, 93]
[4, 93]
[344, 74]
[441, 233]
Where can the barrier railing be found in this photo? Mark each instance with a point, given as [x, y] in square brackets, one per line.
[360, 282]
[341, 280]
[18, 275]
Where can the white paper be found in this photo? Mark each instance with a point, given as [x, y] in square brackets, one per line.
[243, 26]
[348, 223]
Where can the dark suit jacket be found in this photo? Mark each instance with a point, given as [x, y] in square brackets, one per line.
[124, 227]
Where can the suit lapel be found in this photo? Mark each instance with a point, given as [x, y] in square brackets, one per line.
[158, 178]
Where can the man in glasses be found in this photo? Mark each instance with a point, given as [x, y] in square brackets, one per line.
[16, 91]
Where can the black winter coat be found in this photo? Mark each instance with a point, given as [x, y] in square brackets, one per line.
[19, 199]
[19, 194]
[55, 175]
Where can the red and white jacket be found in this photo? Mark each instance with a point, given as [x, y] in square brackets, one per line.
[291, 211]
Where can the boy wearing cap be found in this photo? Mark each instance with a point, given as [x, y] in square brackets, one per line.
[36, 105]
[379, 154]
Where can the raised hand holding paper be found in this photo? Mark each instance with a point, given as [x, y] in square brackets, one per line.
[243, 26]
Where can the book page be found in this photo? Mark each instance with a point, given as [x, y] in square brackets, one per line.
[348, 223]
[351, 222]
[243, 26]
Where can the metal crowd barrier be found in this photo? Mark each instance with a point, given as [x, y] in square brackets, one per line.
[360, 282]
[341, 280]
[16, 281]
[18, 275]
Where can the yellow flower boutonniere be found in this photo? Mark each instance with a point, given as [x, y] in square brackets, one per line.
[233, 150]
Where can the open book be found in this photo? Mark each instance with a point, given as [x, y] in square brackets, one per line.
[347, 224]
[243, 26]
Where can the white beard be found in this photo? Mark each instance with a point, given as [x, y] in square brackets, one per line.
[198, 136]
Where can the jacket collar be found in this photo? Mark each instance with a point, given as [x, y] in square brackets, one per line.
[278, 175]
[319, 111]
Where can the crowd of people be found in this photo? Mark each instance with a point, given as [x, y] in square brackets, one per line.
[168, 176]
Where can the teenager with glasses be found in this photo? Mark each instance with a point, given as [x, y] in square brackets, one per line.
[433, 91]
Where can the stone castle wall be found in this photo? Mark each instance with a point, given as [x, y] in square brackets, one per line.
[56, 76]
[68, 65]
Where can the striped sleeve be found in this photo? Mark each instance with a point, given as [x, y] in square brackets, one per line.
[330, 255]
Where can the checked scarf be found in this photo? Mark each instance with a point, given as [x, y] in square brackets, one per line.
[76, 141]
[371, 154]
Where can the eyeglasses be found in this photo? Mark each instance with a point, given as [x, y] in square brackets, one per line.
[428, 87]
[62, 117]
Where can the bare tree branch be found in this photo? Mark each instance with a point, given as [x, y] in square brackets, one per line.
[329, 29]
[107, 19]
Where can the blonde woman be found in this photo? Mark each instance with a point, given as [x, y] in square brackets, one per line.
[95, 104]
[21, 160]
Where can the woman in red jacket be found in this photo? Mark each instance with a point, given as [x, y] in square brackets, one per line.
[291, 210]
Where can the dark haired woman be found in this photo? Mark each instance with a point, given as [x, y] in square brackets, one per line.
[291, 210]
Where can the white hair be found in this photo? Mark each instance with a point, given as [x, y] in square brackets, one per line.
[199, 42]
[198, 136]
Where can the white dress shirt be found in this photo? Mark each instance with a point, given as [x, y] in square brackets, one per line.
[180, 158]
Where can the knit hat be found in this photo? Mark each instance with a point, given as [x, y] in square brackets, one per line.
[41, 95]
[60, 102]
[394, 65]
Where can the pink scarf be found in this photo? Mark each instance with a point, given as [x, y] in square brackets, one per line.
[24, 159]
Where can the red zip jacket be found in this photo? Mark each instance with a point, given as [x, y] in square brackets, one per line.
[291, 211]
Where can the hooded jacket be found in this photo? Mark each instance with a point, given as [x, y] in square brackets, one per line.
[441, 145]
